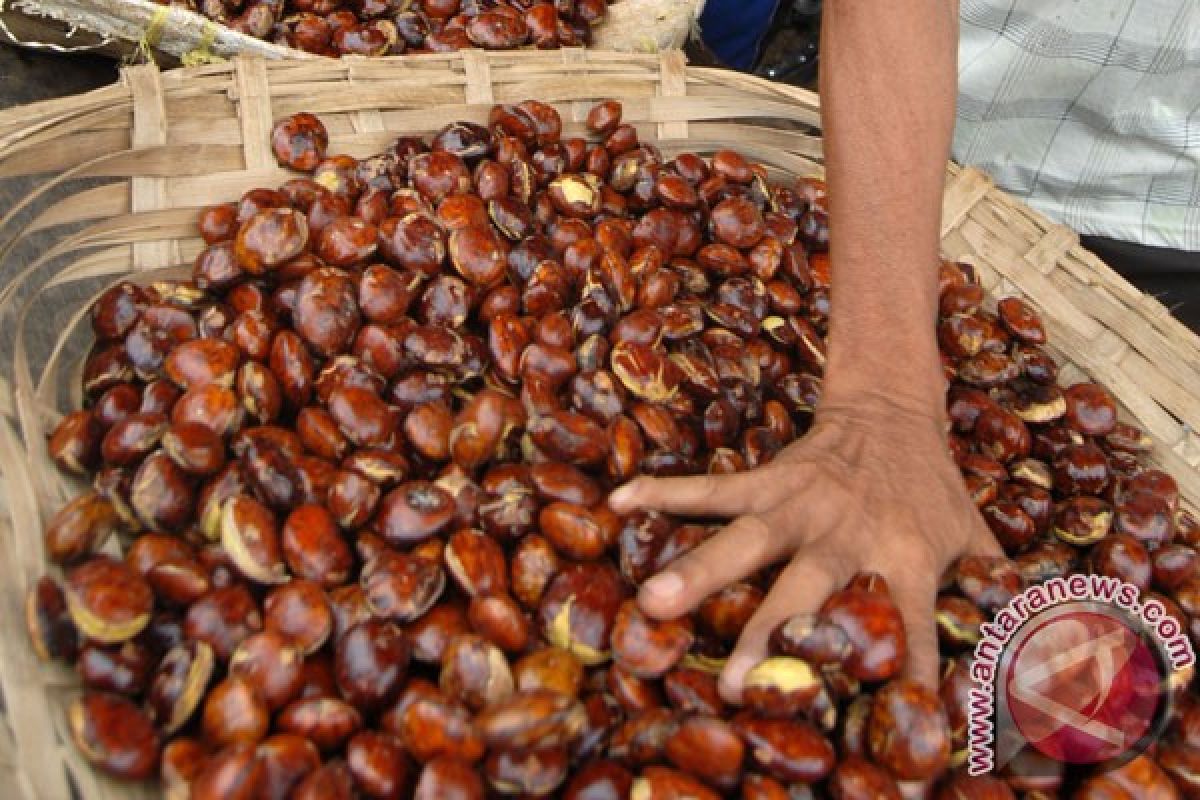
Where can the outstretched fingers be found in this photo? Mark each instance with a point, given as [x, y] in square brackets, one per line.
[801, 587]
[742, 548]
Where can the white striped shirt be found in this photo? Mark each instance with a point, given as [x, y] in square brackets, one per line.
[1089, 110]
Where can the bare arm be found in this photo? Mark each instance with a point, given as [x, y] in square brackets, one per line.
[888, 85]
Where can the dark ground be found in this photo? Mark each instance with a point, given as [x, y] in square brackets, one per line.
[26, 76]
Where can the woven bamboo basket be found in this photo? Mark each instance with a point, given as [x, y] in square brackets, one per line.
[147, 30]
[121, 171]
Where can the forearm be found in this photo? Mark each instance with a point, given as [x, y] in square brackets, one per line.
[888, 85]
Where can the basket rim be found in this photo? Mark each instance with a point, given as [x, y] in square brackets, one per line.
[681, 107]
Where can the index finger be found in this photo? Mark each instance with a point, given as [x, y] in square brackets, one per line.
[696, 495]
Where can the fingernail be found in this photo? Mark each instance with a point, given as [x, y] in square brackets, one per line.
[621, 496]
[665, 585]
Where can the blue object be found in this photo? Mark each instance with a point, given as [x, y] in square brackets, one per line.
[735, 29]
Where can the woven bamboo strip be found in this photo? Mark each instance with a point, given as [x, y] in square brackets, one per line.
[157, 146]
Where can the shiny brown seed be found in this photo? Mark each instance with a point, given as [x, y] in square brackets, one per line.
[287, 760]
[645, 372]
[122, 669]
[272, 664]
[1082, 521]
[500, 620]
[222, 619]
[183, 759]
[1021, 321]
[161, 494]
[599, 780]
[569, 437]
[299, 141]
[80, 528]
[526, 772]
[48, 622]
[377, 763]
[648, 648]
[114, 735]
[132, 438]
[234, 712]
[299, 610]
[550, 668]
[814, 639]
[75, 442]
[604, 117]
[330, 781]
[269, 239]
[401, 587]
[1091, 410]
[707, 748]
[371, 663]
[989, 583]
[325, 311]
[413, 512]
[414, 242]
[107, 600]
[250, 536]
[476, 563]
[352, 498]
[781, 686]
[693, 690]
[435, 727]
[532, 719]
[726, 612]
[737, 222]
[325, 721]
[855, 778]
[578, 610]
[634, 694]
[178, 685]
[908, 732]
[578, 533]
[212, 405]
[313, 548]
[233, 773]
[195, 448]
[475, 672]
[958, 621]
[789, 750]
[876, 632]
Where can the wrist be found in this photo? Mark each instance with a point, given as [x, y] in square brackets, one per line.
[907, 375]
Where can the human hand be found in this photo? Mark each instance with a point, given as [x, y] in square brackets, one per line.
[871, 488]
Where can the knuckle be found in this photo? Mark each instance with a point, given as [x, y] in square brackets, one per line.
[753, 531]
[760, 502]
[756, 538]
[836, 564]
